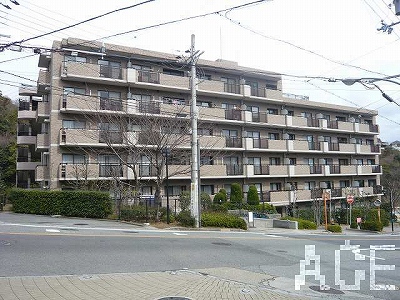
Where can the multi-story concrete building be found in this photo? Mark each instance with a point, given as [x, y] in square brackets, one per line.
[94, 104]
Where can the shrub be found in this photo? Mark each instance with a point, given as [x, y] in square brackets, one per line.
[184, 218]
[236, 194]
[302, 224]
[86, 204]
[171, 218]
[222, 220]
[372, 225]
[218, 208]
[252, 196]
[205, 201]
[334, 228]
[220, 197]
[184, 200]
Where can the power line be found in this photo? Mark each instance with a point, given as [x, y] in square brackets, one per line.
[76, 24]
[17, 58]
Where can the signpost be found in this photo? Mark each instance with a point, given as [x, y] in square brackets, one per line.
[350, 201]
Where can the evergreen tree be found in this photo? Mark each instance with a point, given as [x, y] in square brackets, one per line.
[252, 196]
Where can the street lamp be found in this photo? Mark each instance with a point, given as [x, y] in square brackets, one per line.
[371, 81]
[166, 152]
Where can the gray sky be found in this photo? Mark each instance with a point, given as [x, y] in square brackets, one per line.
[304, 38]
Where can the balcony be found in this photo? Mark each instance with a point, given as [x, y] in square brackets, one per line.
[78, 171]
[78, 71]
[42, 173]
[233, 114]
[26, 140]
[278, 145]
[43, 81]
[79, 103]
[43, 110]
[81, 137]
[25, 110]
[233, 142]
[27, 165]
[233, 170]
[42, 142]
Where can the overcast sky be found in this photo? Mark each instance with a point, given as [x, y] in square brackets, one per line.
[304, 38]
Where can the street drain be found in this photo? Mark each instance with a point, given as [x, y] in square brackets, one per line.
[221, 244]
[330, 291]
[127, 231]
[80, 224]
[174, 298]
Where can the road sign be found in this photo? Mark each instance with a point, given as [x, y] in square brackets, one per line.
[350, 199]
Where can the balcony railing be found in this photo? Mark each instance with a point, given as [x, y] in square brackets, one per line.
[147, 171]
[333, 146]
[110, 170]
[233, 142]
[260, 143]
[258, 92]
[110, 104]
[375, 148]
[261, 169]
[316, 169]
[373, 128]
[334, 169]
[333, 124]
[149, 77]
[234, 170]
[149, 107]
[231, 88]
[110, 137]
[314, 146]
[312, 122]
[233, 114]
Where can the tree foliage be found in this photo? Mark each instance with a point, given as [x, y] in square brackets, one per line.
[236, 194]
[8, 144]
[252, 196]
[220, 197]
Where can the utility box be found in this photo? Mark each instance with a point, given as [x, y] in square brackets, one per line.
[396, 7]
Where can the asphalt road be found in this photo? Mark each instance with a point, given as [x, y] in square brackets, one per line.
[41, 245]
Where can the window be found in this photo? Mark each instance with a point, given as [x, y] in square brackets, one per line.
[359, 161]
[358, 141]
[272, 111]
[371, 182]
[206, 160]
[340, 118]
[204, 103]
[327, 161]
[343, 161]
[204, 131]
[74, 91]
[291, 136]
[73, 124]
[326, 184]
[74, 58]
[253, 87]
[110, 69]
[327, 139]
[370, 161]
[110, 100]
[292, 161]
[326, 117]
[253, 134]
[176, 101]
[209, 189]
[271, 85]
[342, 140]
[309, 185]
[290, 113]
[310, 161]
[174, 190]
[230, 85]
[202, 76]
[275, 186]
[174, 72]
[369, 142]
[229, 133]
[359, 183]
[344, 183]
[228, 106]
[273, 136]
[306, 114]
[140, 67]
[255, 161]
[276, 161]
[73, 159]
[139, 97]
[253, 109]
[231, 160]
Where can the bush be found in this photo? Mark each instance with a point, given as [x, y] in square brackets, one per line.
[371, 225]
[302, 224]
[218, 208]
[252, 196]
[171, 217]
[184, 218]
[86, 204]
[236, 194]
[220, 197]
[222, 220]
[184, 200]
[334, 228]
[205, 201]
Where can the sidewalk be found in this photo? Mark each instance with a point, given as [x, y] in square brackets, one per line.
[217, 283]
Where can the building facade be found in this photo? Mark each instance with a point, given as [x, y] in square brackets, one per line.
[104, 115]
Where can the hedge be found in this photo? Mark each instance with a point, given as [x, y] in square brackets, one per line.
[302, 224]
[334, 228]
[222, 220]
[87, 204]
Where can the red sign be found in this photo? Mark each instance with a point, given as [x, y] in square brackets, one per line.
[350, 199]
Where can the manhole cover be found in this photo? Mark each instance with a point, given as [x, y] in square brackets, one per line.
[80, 224]
[221, 244]
[330, 291]
[174, 298]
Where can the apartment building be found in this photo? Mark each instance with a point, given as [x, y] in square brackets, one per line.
[104, 113]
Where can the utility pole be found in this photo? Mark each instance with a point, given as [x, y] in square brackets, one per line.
[194, 195]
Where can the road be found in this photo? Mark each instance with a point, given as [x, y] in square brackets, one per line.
[46, 246]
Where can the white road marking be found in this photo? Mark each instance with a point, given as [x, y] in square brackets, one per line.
[52, 230]
[178, 233]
